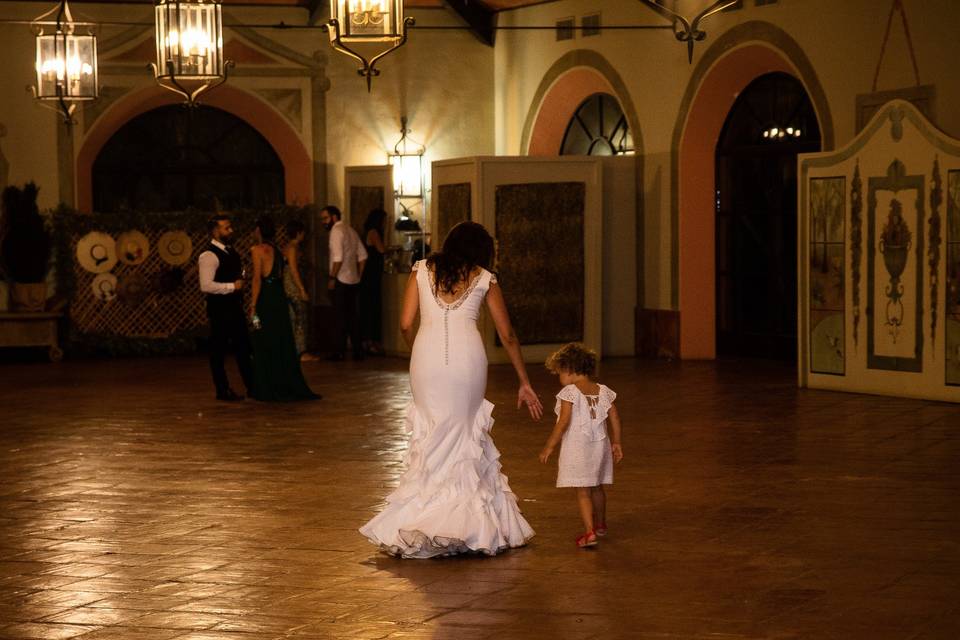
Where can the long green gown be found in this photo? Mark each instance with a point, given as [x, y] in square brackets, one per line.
[276, 362]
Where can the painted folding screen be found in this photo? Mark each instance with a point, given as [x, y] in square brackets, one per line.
[879, 253]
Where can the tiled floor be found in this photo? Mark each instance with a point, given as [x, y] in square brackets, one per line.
[133, 506]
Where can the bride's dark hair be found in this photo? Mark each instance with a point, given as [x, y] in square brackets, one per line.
[467, 246]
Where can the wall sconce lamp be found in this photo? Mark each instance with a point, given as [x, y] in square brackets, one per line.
[685, 30]
[66, 62]
[407, 163]
[355, 22]
[189, 37]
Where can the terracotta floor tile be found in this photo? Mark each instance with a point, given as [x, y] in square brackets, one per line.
[745, 509]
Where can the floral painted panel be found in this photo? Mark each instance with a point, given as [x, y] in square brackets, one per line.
[895, 270]
[453, 207]
[363, 200]
[827, 293]
[953, 279]
[539, 231]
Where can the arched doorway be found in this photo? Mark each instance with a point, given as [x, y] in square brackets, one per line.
[770, 122]
[171, 158]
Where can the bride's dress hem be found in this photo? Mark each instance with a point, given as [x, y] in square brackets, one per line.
[455, 503]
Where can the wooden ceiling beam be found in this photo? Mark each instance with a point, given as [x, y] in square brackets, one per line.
[481, 19]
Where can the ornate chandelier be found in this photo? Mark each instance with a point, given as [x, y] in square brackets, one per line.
[354, 22]
[189, 47]
[66, 61]
[688, 30]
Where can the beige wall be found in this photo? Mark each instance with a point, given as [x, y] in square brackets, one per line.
[842, 41]
[440, 80]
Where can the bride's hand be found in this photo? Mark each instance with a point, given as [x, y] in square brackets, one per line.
[526, 395]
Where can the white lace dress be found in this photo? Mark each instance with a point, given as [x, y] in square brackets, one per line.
[452, 497]
[585, 458]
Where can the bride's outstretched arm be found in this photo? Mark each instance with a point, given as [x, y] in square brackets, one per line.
[501, 320]
[408, 314]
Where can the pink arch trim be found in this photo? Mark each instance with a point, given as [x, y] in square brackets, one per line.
[298, 177]
[697, 183]
[558, 106]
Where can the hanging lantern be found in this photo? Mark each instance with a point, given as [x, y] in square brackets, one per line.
[189, 47]
[688, 30]
[367, 21]
[66, 61]
[407, 166]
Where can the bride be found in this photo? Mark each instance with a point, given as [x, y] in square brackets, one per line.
[452, 497]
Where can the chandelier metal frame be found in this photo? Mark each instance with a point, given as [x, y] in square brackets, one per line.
[688, 30]
[339, 38]
[64, 40]
[168, 71]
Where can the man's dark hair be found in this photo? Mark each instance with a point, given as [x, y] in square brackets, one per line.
[214, 221]
[333, 210]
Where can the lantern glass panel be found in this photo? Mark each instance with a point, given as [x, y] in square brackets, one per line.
[189, 39]
[66, 67]
[407, 175]
[368, 20]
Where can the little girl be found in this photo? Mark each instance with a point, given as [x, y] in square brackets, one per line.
[586, 453]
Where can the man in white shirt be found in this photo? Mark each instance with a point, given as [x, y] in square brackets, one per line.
[347, 259]
[221, 279]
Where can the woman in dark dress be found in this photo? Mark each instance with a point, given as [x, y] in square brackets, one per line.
[371, 281]
[276, 362]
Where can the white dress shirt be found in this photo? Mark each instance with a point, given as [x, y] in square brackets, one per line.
[209, 263]
[346, 248]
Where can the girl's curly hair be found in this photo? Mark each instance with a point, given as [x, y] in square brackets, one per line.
[573, 358]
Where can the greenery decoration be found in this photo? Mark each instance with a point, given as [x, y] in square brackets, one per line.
[26, 242]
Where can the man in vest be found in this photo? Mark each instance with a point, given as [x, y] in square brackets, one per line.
[221, 279]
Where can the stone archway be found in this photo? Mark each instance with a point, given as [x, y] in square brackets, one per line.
[298, 187]
[737, 58]
[569, 81]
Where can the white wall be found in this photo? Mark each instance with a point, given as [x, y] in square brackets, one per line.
[440, 80]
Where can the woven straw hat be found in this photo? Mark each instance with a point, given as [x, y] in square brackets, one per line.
[175, 248]
[133, 288]
[97, 252]
[104, 287]
[132, 247]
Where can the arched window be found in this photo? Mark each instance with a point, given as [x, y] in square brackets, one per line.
[172, 158]
[598, 128]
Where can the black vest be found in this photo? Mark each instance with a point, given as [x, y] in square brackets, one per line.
[230, 270]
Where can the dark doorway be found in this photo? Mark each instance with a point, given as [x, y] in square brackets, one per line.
[756, 201]
[173, 158]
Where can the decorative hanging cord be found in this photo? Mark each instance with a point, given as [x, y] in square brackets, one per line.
[323, 27]
[897, 6]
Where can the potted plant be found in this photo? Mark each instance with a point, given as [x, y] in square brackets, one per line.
[25, 248]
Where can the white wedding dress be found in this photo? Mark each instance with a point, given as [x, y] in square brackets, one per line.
[452, 497]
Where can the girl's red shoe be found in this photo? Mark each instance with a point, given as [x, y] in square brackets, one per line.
[601, 529]
[587, 540]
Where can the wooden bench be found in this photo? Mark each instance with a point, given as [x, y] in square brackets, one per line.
[31, 330]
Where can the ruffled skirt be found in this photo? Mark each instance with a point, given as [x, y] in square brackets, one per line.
[453, 497]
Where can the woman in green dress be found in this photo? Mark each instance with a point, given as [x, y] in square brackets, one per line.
[276, 362]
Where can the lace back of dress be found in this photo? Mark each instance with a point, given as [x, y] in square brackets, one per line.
[593, 402]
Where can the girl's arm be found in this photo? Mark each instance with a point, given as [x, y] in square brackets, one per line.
[255, 254]
[613, 416]
[291, 255]
[408, 313]
[563, 421]
[373, 238]
[501, 319]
